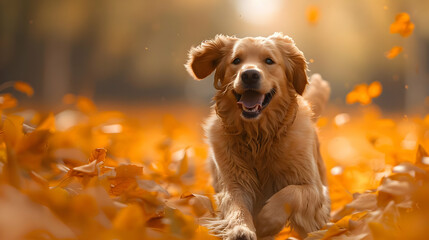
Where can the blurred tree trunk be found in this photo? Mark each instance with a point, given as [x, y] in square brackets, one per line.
[417, 77]
[57, 74]
[417, 62]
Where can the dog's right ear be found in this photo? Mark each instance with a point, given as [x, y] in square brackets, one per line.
[204, 59]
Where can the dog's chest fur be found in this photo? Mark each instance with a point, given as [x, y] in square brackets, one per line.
[264, 163]
[273, 170]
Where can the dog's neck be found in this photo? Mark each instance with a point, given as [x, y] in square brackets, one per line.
[257, 137]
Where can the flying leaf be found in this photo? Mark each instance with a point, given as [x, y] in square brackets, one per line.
[364, 94]
[375, 89]
[402, 25]
[313, 14]
[7, 101]
[392, 53]
[86, 105]
[24, 87]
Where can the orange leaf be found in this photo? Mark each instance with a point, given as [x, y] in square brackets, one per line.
[392, 53]
[313, 14]
[128, 171]
[351, 97]
[129, 218]
[375, 89]
[12, 130]
[7, 101]
[402, 25]
[333, 231]
[48, 123]
[24, 87]
[85, 105]
[99, 154]
[363, 93]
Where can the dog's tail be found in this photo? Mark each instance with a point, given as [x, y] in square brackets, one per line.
[317, 94]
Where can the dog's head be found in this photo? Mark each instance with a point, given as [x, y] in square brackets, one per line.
[252, 73]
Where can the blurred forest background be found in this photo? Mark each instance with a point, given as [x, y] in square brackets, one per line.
[132, 165]
[132, 51]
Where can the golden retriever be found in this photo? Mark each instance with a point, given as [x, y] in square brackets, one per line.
[265, 163]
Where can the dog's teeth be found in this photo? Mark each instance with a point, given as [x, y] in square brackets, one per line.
[254, 109]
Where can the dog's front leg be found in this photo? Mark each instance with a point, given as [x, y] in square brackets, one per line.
[234, 205]
[306, 206]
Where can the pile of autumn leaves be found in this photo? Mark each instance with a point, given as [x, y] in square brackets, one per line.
[397, 209]
[81, 174]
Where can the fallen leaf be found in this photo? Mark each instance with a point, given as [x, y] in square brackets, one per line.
[7, 101]
[98, 155]
[129, 218]
[86, 105]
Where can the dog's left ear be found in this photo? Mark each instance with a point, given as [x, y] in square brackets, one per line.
[204, 59]
[296, 65]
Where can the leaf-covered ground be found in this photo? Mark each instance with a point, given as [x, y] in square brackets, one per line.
[82, 173]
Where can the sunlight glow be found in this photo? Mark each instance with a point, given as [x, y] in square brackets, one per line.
[258, 11]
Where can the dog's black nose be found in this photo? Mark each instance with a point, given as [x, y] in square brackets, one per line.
[251, 78]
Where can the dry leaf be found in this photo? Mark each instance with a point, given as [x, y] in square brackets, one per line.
[377, 184]
[128, 170]
[89, 169]
[129, 218]
[364, 94]
[98, 155]
[86, 105]
[313, 14]
[7, 101]
[392, 53]
[24, 87]
[402, 25]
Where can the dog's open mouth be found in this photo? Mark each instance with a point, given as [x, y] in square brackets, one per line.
[252, 102]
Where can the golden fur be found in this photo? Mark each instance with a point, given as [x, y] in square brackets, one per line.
[267, 171]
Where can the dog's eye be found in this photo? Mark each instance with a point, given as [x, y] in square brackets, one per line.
[236, 61]
[269, 61]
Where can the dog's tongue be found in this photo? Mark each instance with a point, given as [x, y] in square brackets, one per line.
[251, 98]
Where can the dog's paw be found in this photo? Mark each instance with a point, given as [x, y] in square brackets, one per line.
[271, 220]
[240, 233]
